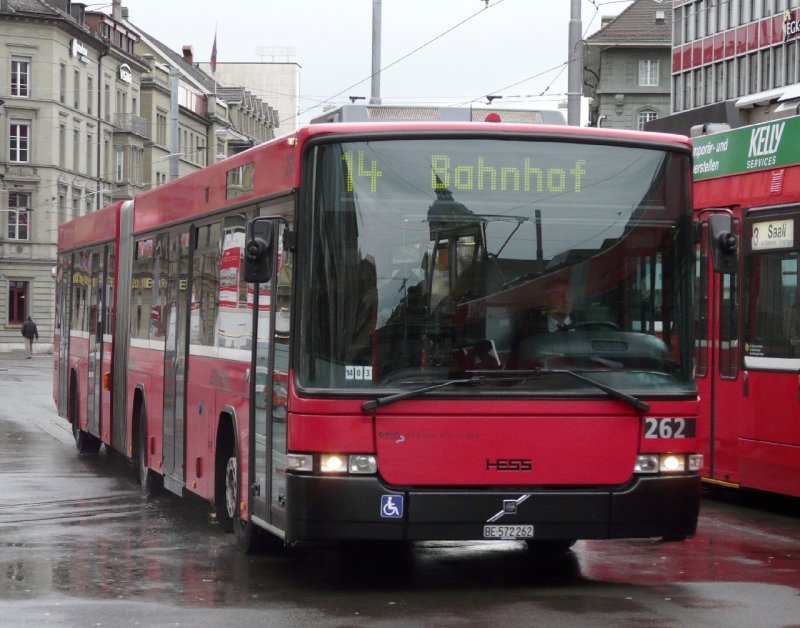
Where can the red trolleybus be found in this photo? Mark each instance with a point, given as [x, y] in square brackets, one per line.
[343, 334]
[748, 350]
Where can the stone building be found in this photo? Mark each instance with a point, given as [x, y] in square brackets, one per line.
[94, 110]
[627, 67]
[67, 93]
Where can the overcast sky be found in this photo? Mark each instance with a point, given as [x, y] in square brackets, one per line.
[440, 51]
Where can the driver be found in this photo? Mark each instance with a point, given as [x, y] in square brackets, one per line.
[558, 305]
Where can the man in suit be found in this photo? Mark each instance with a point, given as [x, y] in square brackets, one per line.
[558, 305]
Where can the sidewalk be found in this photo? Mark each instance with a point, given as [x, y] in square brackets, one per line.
[18, 357]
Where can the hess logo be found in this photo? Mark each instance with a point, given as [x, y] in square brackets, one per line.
[509, 464]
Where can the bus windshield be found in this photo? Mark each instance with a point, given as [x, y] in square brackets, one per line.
[513, 259]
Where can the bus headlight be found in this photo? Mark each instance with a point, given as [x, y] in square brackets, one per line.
[354, 464]
[646, 463]
[362, 464]
[300, 462]
[667, 463]
[672, 463]
[333, 463]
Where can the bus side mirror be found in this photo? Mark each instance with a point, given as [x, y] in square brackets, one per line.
[258, 251]
[723, 243]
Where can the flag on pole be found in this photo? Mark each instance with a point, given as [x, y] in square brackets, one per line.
[214, 54]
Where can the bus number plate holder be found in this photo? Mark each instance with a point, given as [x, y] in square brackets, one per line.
[508, 532]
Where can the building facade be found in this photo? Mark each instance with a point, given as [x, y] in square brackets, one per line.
[275, 82]
[64, 90]
[734, 62]
[627, 67]
[92, 110]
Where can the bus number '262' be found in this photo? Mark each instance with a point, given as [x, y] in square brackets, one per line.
[669, 428]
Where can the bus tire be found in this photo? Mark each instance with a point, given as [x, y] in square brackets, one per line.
[84, 442]
[149, 481]
[247, 534]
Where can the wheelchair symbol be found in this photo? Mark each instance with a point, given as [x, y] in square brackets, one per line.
[392, 506]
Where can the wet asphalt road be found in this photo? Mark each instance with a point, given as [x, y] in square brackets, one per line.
[80, 547]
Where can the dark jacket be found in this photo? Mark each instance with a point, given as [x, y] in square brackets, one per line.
[29, 329]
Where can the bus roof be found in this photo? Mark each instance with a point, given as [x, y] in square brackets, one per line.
[95, 227]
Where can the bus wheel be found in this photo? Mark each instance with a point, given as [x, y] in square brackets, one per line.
[246, 533]
[85, 442]
[148, 479]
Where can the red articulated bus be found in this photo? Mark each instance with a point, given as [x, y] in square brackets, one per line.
[748, 327]
[342, 334]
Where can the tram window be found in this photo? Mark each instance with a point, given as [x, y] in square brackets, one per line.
[81, 265]
[141, 289]
[729, 327]
[235, 317]
[205, 284]
[772, 323]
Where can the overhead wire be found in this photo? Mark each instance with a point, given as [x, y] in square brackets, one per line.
[407, 55]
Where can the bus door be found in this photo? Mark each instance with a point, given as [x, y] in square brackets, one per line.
[176, 276]
[769, 446]
[717, 360]
[271, 367]
[95, 364]
[64, 289]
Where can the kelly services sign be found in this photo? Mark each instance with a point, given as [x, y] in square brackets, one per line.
[758, 147]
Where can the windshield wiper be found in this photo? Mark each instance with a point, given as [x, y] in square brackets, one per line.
[611, 392]
[367, 406]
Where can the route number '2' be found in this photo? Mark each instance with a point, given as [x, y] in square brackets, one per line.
[668, 428]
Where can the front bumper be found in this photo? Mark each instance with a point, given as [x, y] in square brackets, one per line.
[340, 508]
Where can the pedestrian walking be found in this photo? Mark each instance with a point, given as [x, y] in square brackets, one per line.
[29, 332]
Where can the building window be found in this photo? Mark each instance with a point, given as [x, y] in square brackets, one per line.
[645, 116]
[77, 95]
[698, 88]
[752, 68]
[107, 103]
[719, 82]
[62, 145]
[20, 77]
[119, 170]
[62, 204]
[677, 92]
[778, 66]
[17, 302]
[89, 94]
[766, 73]
[89, 152]
[18, 215]
[19, 141]
[730, 78]
[62, 84]
[161, 129]
[687, 90]
[76, 150]
[789, 62]
[741, 73]
[648, 72]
